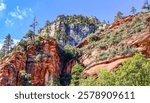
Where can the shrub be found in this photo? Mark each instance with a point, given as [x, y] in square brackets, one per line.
[92, 38]
[112, 52]
[76, 74]
[136, 20]
[73, 51]
[90, 81]
[58, 30]
[23, 43]
[54, 82]
[1, 56]
[37, 41]
[25, 78]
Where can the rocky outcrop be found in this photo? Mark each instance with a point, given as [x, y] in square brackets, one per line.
[42, 65]
[110, 65]
[70, 30]
[148, 23]
[141, 42]
[121, 21]
[10, 68]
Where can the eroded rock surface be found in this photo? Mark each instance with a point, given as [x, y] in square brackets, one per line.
[48, 61]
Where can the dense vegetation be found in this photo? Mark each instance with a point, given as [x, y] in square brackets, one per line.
[133, 72]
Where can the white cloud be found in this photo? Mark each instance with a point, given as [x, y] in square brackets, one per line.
[9, 23]
[21, 13]
[16, 41]
[2, 5]
[1, 45]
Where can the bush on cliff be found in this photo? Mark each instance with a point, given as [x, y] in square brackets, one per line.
[54, 82]
[73, 51]
[76, 74]
[92, 38]
[25, 78]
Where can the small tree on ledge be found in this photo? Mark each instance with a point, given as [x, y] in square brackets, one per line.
[119, 15]
[133, 10]
[146, 5]
[30, 34]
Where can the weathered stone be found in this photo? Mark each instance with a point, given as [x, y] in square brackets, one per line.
[11, 66]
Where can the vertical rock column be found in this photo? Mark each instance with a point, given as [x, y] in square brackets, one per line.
[50, 61]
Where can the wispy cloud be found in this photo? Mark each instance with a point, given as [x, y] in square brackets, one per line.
[21, 13]
[2, 5]
[9, 23]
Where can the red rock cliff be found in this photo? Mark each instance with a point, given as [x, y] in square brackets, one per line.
[41, 71]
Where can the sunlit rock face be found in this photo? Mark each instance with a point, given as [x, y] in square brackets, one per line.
[48, 66]
[71, 30]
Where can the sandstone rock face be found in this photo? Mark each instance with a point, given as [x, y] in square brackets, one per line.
[141, 42]
[110, 65]
[121, 21]
[148, 23]
[35, 63]
[10, 69]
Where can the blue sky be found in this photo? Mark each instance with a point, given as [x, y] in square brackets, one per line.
[17, 15]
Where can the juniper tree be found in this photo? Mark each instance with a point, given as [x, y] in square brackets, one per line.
[47, 28]
[133, 10]
[119, 15]
[30, 34]
[33, 25]
[47, 23]
[8, 42]
[146, 5]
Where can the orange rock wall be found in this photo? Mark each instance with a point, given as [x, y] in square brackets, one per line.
[11, 66]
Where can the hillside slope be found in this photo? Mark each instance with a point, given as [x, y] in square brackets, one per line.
[121, 40]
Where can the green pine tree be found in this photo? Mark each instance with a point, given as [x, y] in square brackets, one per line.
[8, 42]
[30, 34]
[146, 5]
[119, 15]
[133, 10]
